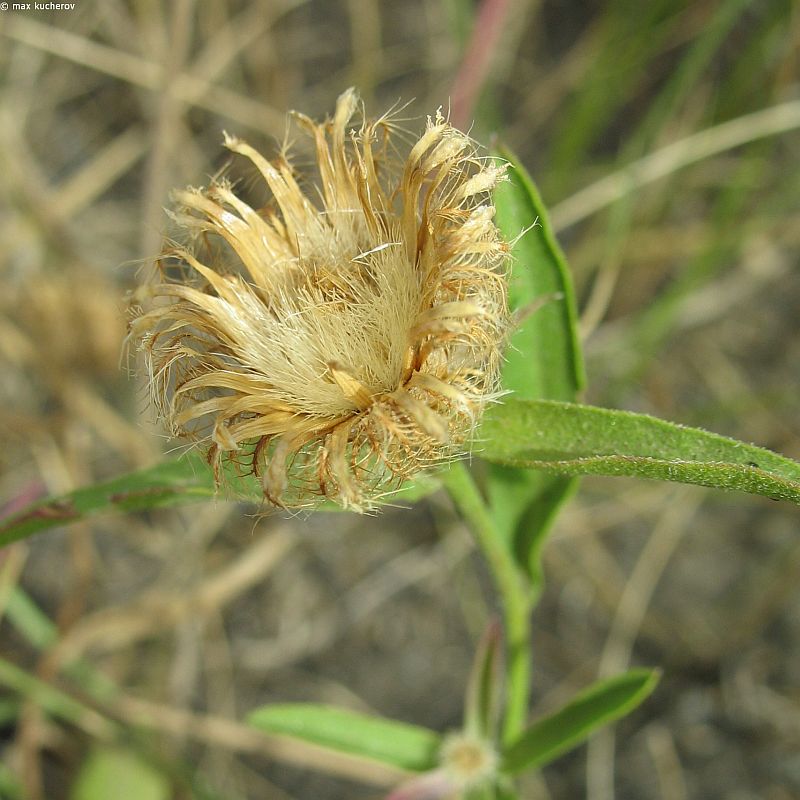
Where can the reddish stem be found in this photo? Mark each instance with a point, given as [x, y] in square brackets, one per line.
[477, 61]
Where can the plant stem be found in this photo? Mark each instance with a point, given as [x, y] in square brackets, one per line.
[513, 587]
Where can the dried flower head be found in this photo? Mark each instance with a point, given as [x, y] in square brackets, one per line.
[334, 345]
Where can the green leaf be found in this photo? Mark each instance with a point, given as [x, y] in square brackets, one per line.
[580, 440]
[10, 788]
[397, 744]
[505, 790]
[600, 704]
[29, 620]
[9, 711]
[40, 631]
[111, 772]
[174, 482]
[422, 486]
[183, 480]
[543, 359]
[483, 703]
[54, 701]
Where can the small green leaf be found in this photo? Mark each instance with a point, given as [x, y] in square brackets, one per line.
[580, 440]
[111, 772]
[524, 506]
[390, 742]
[543, 358]
[483, 704]
[600, 704]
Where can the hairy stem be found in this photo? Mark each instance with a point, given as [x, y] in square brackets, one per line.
[513, 587]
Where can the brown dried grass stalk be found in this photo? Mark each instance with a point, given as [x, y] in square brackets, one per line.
[334, 348]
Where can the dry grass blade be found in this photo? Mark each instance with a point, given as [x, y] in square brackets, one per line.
[669, 159]
[112, 629]
[138, 71]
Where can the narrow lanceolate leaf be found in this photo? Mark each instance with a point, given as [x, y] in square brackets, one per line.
[544, 355]
[387, 741]
[183, 480]
[602, 703]
[483, 703]
[174, 482]
[543, 359]
[579, 440]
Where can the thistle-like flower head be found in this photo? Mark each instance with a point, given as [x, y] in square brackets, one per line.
[339, 340]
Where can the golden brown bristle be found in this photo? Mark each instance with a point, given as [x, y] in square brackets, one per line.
[336, 345]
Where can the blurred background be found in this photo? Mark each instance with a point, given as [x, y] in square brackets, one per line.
[156, 633]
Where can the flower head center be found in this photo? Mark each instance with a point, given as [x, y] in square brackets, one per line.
[469, 761]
